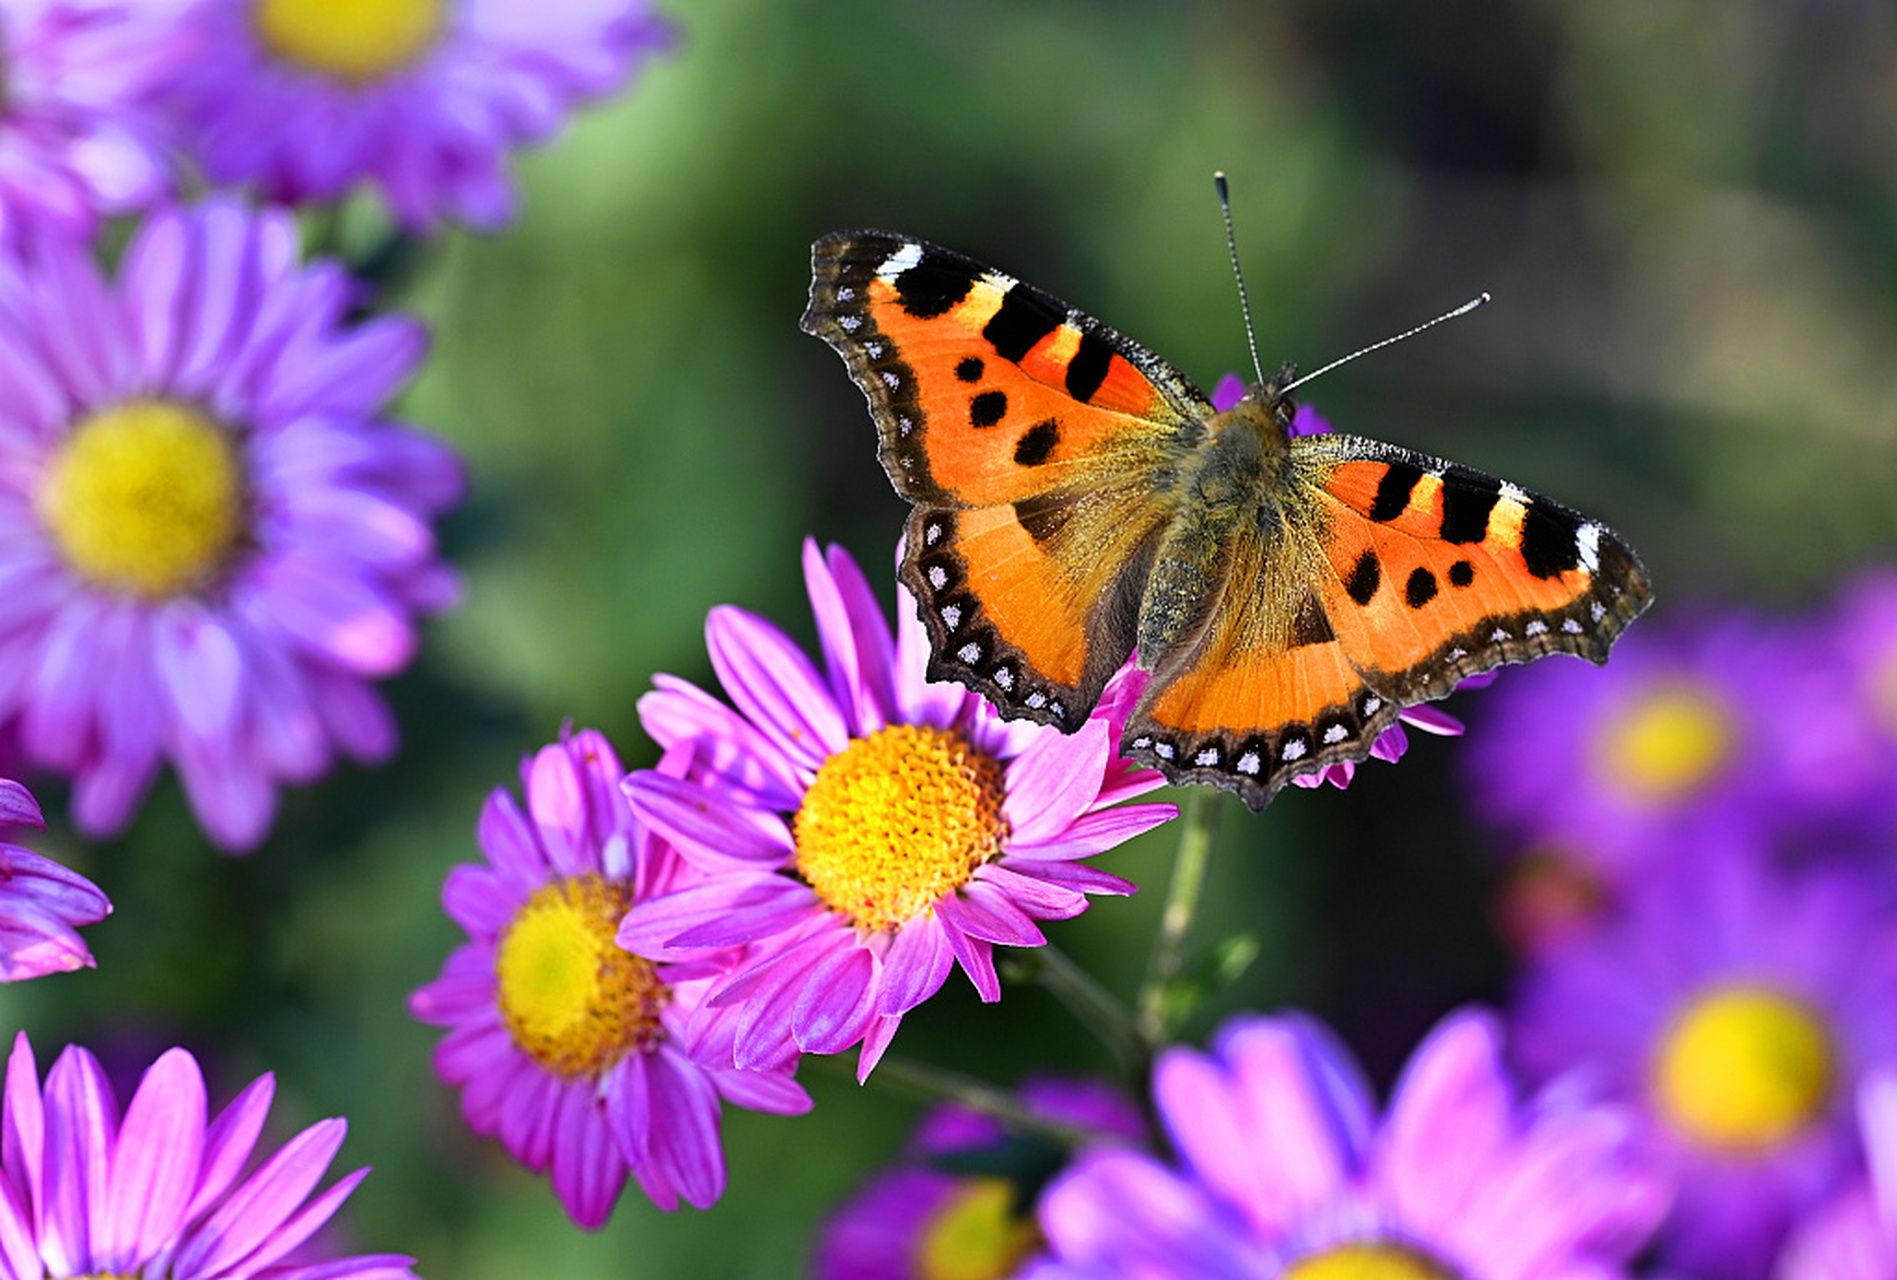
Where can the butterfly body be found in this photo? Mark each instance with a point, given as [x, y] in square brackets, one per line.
[1077, 498]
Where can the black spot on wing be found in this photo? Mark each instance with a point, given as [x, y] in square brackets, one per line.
[1025, 317]
[1393, 491]
[1365, 578]
[1548, 543]
[1088, 369]
[1468, 497]
[933, 285]
[1037, 444]
[1311, 626]
[1420, 589]
[1043, 517]
[1461, 573]
[987, 409]
[969, 370]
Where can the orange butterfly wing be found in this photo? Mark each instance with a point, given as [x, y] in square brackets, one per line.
[1408, 573]
[1030, 437]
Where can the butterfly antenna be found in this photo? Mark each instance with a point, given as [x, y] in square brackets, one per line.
[1462, 310]
[1231, 243]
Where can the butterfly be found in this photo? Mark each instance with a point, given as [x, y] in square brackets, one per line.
[1078, 498]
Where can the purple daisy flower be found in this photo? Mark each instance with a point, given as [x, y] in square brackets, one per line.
[931, 1217]
[41, 902]
[1284, 1169]
[79, 136]
[867, 829]
[86, 1192]
[424, 98]
[1393, 742]
[583, 1058]
[1737, 1007]
[213, 539]
[1854, 1235]
[1695, 736]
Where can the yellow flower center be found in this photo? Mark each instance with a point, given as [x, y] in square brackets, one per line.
[146, 498]
[1667, 744]
[976, 1234]
[1376, 1260]
[574, 1000]
[1742, 1069]
[353, 40]
[898, 820]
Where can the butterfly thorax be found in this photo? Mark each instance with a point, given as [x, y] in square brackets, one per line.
[1232, 481]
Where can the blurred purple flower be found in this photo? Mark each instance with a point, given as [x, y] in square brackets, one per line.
[79, 136]
[1687, 739]
[41, 902]
[1737, 1007]
[214, 539]
[933, 1216]
[581, 1057]
[1285, 1169]
[867, 829]
[425, 98]
[1853, 1236]
[88, 1192]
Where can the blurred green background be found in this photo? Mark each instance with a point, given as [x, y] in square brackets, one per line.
[1686, 211]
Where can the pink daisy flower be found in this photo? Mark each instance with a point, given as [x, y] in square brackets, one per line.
[585, 1059]
[85, 1191]
[1285, 1169]
[1853, 1236]
[866, 829]
[213, 538]
[79, 136]
[424, 98]
[41, 902]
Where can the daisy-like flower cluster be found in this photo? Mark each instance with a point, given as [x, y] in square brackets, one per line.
[863, 831]
[1704, 895]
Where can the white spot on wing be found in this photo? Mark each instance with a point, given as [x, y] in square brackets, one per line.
[1587, 540]
[1372, 704]
[1535, 628]
[1294, 749]
[900, 261]
[969, 653]
[845, 293]
[1206, 758]
[938, 576]
[849, 324]
[1335, 734]
[1597, 611]
[1572, 627]
[1516, 494]
[1249, 763]
[932, 534]
[951, 616]
[1004, 678]
[890, 380]
[1037, 700]
[1163, 750]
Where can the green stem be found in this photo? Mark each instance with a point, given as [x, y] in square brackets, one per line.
[934, 1084]
[1189, 869]
[1098, 1009]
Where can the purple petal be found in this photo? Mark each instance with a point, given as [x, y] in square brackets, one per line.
[1055, 781]
[705, 828]
[154, 1166]
[774, 685]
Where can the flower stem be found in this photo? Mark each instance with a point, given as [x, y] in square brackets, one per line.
[1189, 870]
[932, 1084]
[1099, 1010]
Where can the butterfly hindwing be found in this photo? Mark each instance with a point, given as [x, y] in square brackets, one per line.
[1033, 439]
[1430, 572]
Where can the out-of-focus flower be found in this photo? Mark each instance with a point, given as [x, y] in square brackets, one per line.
[41, 902]
[213, 537]
[1285, 1169]
[1853, 1236]
[961, 1203]
[1737, 1007]
[425, 98]
[80, 138]
[1684, 740]
[157, 1191]
[583, 1058]
[865, 828]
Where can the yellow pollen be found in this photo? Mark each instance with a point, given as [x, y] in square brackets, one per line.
[898, 820]
[1667, 744]
[976, 1234]
[1742, 1069]
[1377, 1260]
[145, 498]
[573, 999]
[353, 40]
